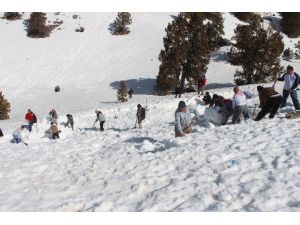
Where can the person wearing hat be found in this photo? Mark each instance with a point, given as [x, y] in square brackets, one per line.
[270, 101]
[183, 119]
[291, 82]
[100, 118]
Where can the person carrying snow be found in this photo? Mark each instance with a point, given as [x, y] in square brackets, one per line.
[53, 115]
[270, 101]
[54, 131]
[239, 105]
[291, 82]
[183, 119]
[140, 115]
[130, 92]
[17, 135]
[100, 118]
[31, 119]
[70, 121]
[207, 98]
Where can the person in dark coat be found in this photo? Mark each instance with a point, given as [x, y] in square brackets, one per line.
[130, 92]
[270, 101]
[70, 121]
[217, 100]
[178, 92]
[291, 82]
[1, 133]
[207, 98]
[140, 115]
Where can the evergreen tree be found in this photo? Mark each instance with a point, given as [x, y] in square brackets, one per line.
[257, 50]
[120, 25]
[244, 16]
[4, 107]
[291, 24]
[214, 29]
[37, 25]
[186, 49]
[122, 92]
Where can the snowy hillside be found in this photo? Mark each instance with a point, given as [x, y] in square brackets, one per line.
[252, 166]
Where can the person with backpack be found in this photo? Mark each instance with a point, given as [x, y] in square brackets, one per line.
[31, 119]
[207, 98]
[1, 133]
[17, 135]
[54, 116]
[140, 115]
[54, 131]
[239, 105]
[130, 92]
[291, 82]
[100, 118]
[183, 119]
[270, 101]
[70, 121]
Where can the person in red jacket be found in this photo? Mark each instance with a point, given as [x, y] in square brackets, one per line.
[31, 119]
[203, 83]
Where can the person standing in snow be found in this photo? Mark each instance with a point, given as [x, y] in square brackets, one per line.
[54, 131]
[130, 92]
[270, 101]
[53, 115]
[239, 105]
[183, 119]
[140, 115]
[31, 119]
[178, 91]
[207, 98]
[70, 121]
[17, 135]
[1, 133]
[201, 85]
[291, 82]
[100, 118]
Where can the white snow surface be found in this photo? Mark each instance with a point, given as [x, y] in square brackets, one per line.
[252, 166]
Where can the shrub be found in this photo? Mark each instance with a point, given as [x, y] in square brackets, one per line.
[81, 29]
[37, 25]
[122, 92]
[57, 88]
[4, 107]
[288, 54]
[12, 16]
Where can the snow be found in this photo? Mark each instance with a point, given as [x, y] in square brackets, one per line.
[252, 166]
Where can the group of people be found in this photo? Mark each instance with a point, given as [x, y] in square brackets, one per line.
[270, 101]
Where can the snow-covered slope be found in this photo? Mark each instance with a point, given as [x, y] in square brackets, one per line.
[252, 166]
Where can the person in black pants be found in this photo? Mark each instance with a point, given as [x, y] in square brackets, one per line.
[270, 101]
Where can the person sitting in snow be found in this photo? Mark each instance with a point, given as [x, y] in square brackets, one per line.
[17, 135]
[70, 121]
[53, 130]
[207, 98]
[270, 101]
[183, 119]
[100, 118]
[239, 105]
[53, 115]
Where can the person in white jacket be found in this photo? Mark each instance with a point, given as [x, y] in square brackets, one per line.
[17, 135]
[239, 105]
[100, 118]
[183, 119]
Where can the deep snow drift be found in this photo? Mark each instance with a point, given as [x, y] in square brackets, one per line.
[252, 166]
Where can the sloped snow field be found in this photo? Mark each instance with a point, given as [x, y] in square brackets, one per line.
[252, 166]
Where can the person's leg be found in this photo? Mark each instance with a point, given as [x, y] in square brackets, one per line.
[245, 112]
[67, 124]
[202, 90]
[72, 125]
[276, 104]
[285, 95]
[265, 109]
[29, 126]
[295, 99]
[236, 114]
[101, 125]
